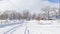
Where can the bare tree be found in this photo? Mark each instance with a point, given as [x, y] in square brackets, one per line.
[46, 10]
[59, 11]
[55, 11]
[38, 17]
[33, 16]
[3, 16]
[26, 14]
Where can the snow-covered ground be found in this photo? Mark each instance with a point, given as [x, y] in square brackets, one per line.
[32, 27]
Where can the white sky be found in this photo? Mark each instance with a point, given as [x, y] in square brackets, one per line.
[20, 5]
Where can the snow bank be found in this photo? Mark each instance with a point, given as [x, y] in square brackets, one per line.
[49, 22]
[45, 22]
[41, 22]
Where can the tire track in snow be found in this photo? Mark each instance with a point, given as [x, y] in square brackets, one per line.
[25, 30]
[13, 29]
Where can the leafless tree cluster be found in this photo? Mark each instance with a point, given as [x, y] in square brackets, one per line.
[49, 12]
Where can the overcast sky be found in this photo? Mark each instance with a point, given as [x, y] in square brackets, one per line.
[31, 5]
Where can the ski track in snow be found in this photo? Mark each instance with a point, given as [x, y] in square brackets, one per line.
[13, 29]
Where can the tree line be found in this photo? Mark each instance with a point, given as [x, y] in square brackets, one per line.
[46, 14]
